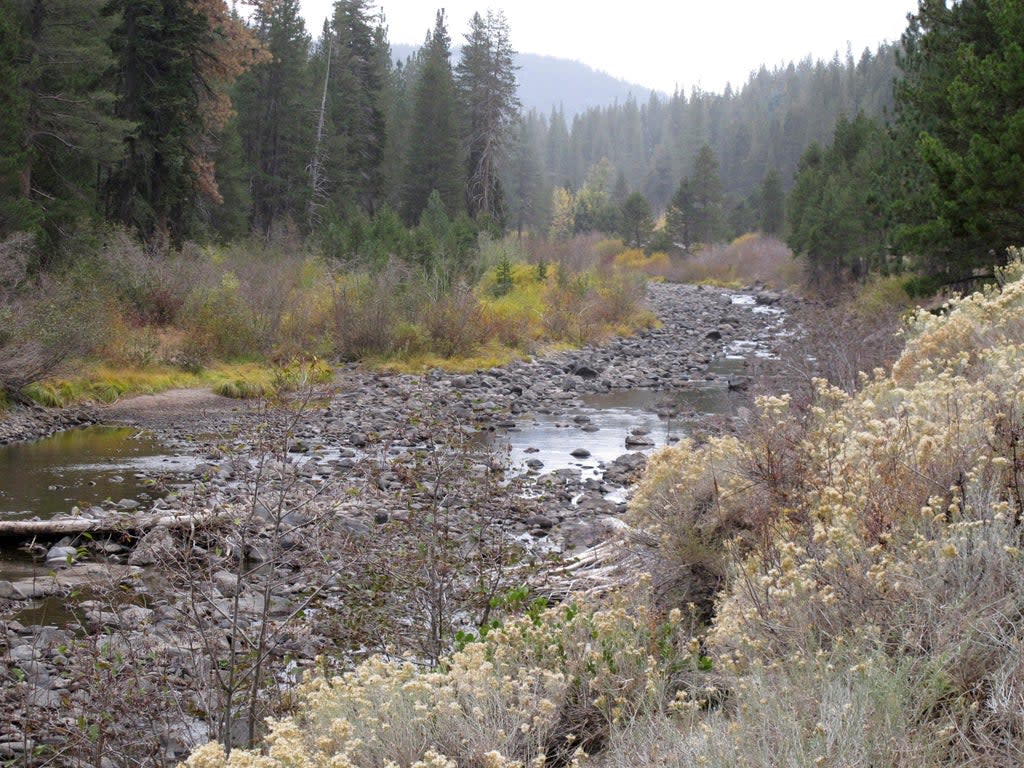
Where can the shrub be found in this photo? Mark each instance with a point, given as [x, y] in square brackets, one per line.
[747, 260]
[635, 259]
[367, 308]
[871, 548]
[537, 690]
[454, 322]
[607, 251]
[575, 255]
[150, 288]
[45, 320]
[221, 322]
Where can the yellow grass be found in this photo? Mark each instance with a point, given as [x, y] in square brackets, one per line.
[102, 383]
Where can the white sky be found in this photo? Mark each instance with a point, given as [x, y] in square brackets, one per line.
[662, 43]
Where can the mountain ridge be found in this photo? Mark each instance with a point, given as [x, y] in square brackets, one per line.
[548, 83]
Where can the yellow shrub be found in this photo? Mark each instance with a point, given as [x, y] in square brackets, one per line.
[881, 295]
[608, 250]
[516, 318]
[749, 237]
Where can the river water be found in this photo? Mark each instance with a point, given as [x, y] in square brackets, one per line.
[82, 467]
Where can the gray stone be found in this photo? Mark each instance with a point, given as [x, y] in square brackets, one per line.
[226, 583]
[20, 653]
[61, 556]
[638, 441]
[152, 547]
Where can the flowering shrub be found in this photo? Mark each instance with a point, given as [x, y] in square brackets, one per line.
[904, 547]
[870, 553]
[542, 689]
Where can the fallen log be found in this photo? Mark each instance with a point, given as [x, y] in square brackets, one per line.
[130, 524]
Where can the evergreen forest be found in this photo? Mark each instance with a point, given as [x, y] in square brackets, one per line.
[184, 121]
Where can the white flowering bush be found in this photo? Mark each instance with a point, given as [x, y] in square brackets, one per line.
[699, 506]
[543, 689]
[873, 602]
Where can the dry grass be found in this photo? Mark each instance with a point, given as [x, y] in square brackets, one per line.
[752, 258]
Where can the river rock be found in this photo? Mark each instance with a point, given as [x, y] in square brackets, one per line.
[30, 589]
[120, 617]
[226, 583]
[638, 441]
[153, 547]
[61, 556]
[21, 653]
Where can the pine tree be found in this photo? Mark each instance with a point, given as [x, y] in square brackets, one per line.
[398, 118]
[16, 211]
[359, 73]
[838, 209]
[434, 162]
[274, 107]
[679, 218]
[231, 219]
[486, 80]
[962, 103]
[175, 61]
[524, 174]
[558, 151]
[637, 222]
[68, 129]
[706, 197]
[772, 204]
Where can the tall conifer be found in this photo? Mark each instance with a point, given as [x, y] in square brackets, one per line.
[486, 78]
[175, 60]
[274, 107]
[434, 161]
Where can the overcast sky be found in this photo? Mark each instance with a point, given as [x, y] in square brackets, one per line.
[662, 43]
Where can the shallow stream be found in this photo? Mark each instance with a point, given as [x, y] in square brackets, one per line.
[82, 467]
[602, 425]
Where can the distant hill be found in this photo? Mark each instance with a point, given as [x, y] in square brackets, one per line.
[547, 81]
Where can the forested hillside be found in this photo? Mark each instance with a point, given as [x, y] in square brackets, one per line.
[265, 128]
[762, 126]
[187, 124]
[548, 82]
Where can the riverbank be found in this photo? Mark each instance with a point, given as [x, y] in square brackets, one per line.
[362, 503]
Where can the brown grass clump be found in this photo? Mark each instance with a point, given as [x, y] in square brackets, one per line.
[752, 258]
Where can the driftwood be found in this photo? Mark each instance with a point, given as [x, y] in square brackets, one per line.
[130, 524]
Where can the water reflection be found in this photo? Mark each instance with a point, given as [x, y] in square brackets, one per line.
[80, 467]
[603, 423]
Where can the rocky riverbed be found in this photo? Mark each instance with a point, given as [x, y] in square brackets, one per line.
[355, 519]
